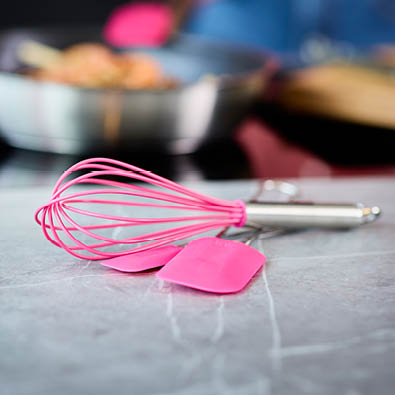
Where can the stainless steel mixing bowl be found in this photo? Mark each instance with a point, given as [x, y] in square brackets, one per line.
[219, 83]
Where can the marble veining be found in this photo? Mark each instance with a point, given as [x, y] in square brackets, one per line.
[276, 335]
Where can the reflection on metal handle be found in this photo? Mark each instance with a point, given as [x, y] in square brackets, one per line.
[304, 215]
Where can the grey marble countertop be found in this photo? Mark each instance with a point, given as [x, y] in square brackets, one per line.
[319, 320]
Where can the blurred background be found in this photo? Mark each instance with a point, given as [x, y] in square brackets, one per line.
[282, 25]
[259, 88]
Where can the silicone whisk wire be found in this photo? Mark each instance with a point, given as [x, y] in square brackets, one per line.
[59, 217]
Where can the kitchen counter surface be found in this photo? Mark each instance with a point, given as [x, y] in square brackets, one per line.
[319, 320]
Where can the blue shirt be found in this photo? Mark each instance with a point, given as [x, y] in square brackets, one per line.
[283, 25]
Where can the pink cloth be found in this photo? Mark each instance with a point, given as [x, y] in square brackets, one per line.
[139, 24]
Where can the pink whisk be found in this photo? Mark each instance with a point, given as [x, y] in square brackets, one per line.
[60, 227]
[58, 218]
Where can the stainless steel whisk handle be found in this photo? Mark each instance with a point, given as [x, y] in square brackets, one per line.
[306, 215]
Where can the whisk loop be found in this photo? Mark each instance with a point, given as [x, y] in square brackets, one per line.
[68, 224]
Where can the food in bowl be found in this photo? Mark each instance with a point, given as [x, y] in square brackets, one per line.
[93, 65]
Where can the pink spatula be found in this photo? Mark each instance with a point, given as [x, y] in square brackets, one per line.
[144, 260]
[209, 264]
[213, 265]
